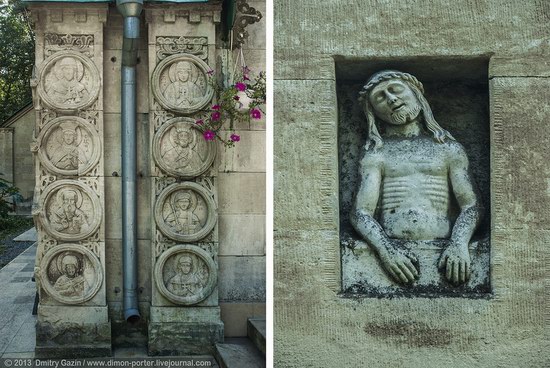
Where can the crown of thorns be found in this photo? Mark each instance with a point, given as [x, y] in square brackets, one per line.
[387, 75]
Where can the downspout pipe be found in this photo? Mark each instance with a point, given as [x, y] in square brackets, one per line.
[130, 10]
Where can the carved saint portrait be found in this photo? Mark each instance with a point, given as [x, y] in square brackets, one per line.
[71, 211]
[68, 81]
[190, 275]
[71, 282]
[70, 146]
[184, 89]
[70, 273]
[415, 185]
[180, 83]
[180, 150]
[185, 211]
[180, 214]
[185, 274]
[64, 82]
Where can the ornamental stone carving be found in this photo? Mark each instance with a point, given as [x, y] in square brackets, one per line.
[70, 210]
[69, 146]
[415, 184]
[180, 83]
[180, 150]
[68, 81]
[185, 274]
[185, 212]
[71, 274]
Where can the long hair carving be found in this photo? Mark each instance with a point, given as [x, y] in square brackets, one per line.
[374, 140]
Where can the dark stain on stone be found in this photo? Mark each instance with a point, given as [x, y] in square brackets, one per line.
[412, 334]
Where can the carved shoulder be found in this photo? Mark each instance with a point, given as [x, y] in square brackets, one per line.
[456, 154]
[371, 160]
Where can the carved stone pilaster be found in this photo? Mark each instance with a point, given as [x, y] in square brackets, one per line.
[69, 204]
[183, 186]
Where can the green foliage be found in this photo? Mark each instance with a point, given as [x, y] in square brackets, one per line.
[16, 57]
[8, 196]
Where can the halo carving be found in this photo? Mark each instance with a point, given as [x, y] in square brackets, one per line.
[185, 212]
[180, 150]
[186, 274]
[180, 83]
[71, 274]
[71, 211]
[69, 145]
[68, 81]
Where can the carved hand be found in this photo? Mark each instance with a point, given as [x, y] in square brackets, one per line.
[399, 265]
[456, 260]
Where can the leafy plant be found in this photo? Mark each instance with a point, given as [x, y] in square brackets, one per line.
[9, 195]
[241, 101]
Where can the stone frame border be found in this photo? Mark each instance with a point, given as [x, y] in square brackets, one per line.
[212, 149]
[211, 209]
[95, 87]
[48, 129]
[96, 222]
[155, 83]
[46, 285]
[202, 254]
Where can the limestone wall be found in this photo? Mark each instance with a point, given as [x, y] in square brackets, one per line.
[319, 46]
[23, 170]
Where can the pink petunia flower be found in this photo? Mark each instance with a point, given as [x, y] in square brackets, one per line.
[209, 135]
[256, 114]
[215, 116]
[240, 86]
[235, 137]
[199, 122]
[216, 107]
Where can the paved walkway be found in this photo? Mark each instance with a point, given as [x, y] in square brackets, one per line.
[17, 324]
[17, 292]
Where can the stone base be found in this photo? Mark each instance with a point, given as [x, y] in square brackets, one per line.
[72, 332]
[184, 330]
[363, 274]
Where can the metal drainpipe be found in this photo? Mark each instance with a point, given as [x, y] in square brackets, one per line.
[130, 10]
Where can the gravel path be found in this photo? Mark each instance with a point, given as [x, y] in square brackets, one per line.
[10, 249]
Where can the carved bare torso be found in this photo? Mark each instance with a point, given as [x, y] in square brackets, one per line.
[415, 193]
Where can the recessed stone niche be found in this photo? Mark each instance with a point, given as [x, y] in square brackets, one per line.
[458, 94]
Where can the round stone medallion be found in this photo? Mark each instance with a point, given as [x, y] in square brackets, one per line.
[69, 145]
[68, 81]
[71, 274]
[179, 149]
[185, 274]
[185, 212]
[180, 83]
[70, 210]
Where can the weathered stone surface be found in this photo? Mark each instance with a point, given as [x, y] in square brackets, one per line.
[184, 338]
[235, 315]
[314, 325]
[242, 235]
[234, 200]
[247, 156]
[242, 278]
[237, 352]
[256, 332]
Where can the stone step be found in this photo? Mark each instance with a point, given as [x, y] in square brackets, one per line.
[256, 332]
[239, 353]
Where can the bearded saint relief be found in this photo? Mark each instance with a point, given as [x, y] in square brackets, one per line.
[183, 90]
[188, 280]
[68, 217]
[64, 82]
[180, 214]
[182, 150]
[67, 149]
[71, 283]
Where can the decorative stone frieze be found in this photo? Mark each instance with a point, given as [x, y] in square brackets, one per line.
[180, 84]
[71, 274]
[68, 81]
[180, 150]
[185, 274]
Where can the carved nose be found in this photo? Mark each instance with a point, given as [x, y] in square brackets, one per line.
[391, 98]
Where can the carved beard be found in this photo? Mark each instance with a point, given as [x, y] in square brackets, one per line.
[69, 211]
[406, 114]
